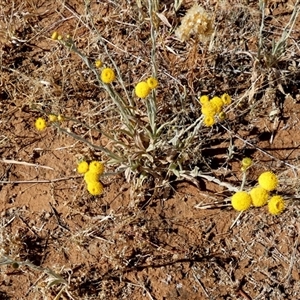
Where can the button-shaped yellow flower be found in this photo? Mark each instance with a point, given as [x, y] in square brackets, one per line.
[222, 115]
[82, 167]
[152, 83]
[209, 121]
[90, 176]
[96, 167]
[204, 99]
[241, 201]
[208, 109]
[246, 163]
[40, 124]
[52, 118]
[54, 35]
[276, 205]
[60, 118]
[98, 63]
[226, 99]
[142, 89]
[107, 75]
[95, 188]
[259, 196]
[268, 180]
[217, 101]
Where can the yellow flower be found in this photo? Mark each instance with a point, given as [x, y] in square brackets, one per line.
[52, 118]
[59, 37]
[54, 35]
[241, 201]
[152, 83]
[95, 188]
[209, 121]
[226, 99]
[268, 181]
[90, 176]
[142, 89]
[40, 124]
[60, 118]
[208, 109]
[204, 99]
[276, 205]
[82, 167]
[98, 63]
[222, 115]
[246, 163]
[259, 196]
[107, 75]
[217, 101]
[96, 167]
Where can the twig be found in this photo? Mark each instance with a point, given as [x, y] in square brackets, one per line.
[235, 221]
[39, 181]
[24, 163]
[286, 277]
[56, 214]
[216, 204]
[201, 284]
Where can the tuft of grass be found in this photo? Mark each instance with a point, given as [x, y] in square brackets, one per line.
[278, 48]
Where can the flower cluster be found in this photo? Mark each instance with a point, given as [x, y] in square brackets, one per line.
[143, 88]
[259, 195]
[41, 124]
[214, 107]
[65, 39]
[92, 172]
[55, 118]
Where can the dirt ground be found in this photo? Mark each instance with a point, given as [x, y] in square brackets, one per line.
[175, 239]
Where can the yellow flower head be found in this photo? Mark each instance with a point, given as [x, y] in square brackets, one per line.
[246, 163]
[142, 89]
[217, 101]
[95, 188]
[82, 167]
[226, 99]
[40, 124]
[209, 121]
[241, 201]
[276, 205]
[54, 35]
[96, 167]
[208, 109]
[90, 176]
[98, 63]
[204, 99]
[60, 118]
[107, 75]
[222, 115]
[152, 83]
[268, 181]
[259, 196]
[52, 118]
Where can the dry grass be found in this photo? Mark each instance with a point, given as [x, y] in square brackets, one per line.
[146, 237]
